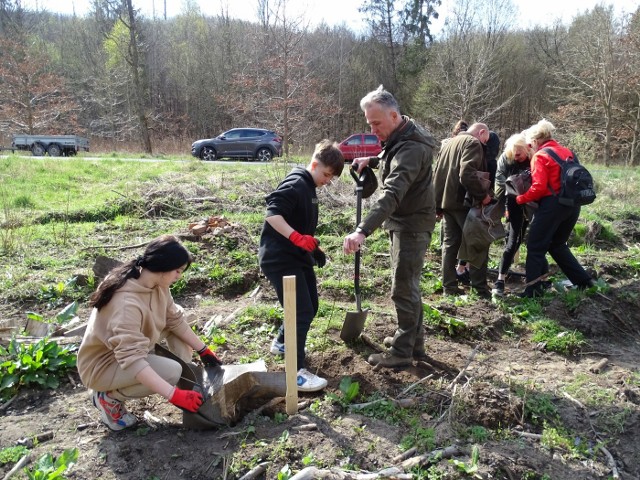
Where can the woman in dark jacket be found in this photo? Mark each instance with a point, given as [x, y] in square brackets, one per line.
[552, 223]
[515, 159]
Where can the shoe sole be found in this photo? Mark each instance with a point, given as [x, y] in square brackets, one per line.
[106, 420]
[312, 389]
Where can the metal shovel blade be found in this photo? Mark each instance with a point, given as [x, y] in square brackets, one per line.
[353, 325]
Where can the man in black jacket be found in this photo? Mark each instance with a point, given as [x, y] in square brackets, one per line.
[406, 207]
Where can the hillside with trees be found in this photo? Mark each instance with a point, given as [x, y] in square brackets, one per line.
[159, 83]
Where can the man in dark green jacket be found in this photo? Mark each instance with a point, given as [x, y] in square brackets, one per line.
[406, 208]
[461, 181]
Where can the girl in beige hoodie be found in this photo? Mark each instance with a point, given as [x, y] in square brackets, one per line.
[134, 310]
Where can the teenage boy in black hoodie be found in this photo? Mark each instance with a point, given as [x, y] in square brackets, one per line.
[288, 246]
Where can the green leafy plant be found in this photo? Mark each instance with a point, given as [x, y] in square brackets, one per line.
[66, 314]
[349, 389]
[284, 473]
[539, 407]
[40, 364]
[472, 466]
[49, 468]
[436, 318]
[478, 433]
[555, 338]
[12, 454]
[420, 437]
[308, 459]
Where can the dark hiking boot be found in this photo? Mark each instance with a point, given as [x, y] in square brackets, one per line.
[419, 352]
[533, 291]
[388, 360]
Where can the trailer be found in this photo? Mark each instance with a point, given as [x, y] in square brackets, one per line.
[54, 145]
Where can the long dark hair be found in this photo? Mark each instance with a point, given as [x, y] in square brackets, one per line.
[163, 254]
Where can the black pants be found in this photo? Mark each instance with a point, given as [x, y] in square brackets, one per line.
[550, 229]
[517, 227]
[306, 303]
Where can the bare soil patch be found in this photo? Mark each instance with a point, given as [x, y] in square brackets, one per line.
[508, 376]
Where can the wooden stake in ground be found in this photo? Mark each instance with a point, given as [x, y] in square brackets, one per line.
[290, 344]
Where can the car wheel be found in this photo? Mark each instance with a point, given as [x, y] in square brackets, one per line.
[264, 155]
[208, 154]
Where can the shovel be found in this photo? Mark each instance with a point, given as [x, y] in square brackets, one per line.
[354, 321]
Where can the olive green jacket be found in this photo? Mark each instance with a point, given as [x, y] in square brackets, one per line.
[407, 201]
[458, 177]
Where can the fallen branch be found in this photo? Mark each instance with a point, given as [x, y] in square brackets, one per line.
[29, 442]
[469, 360]
[611, 462]
[413, 385]
[18, 466]
[404, 455]
[313, 473]
[369, 342]
[536, 280]
[256, 471]
[117, 247]
[430, 457]
[576, 402]
[401, 403]
[6, 404]
[305, 428]
[201, 199]
[598, 367]
[231, 317]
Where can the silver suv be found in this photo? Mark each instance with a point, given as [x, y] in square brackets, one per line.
[251, 143]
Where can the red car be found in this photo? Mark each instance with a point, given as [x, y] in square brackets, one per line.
[360, 145]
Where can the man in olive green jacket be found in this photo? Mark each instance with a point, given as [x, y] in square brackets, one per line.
[461, 182]
[406, 208]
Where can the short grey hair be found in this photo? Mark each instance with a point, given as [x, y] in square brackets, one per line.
[382, 97]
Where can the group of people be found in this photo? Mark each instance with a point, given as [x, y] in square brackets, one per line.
[133, 309]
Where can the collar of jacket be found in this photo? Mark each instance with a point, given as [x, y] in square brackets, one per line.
[398, 132]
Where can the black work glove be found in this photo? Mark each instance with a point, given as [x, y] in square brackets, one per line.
[320, 257]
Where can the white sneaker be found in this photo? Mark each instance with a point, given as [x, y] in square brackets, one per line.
[277, 348]
[308, 382]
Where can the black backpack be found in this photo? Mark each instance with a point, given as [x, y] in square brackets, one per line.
[576, 183]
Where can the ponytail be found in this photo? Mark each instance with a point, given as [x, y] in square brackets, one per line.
[163, 254]
[114, 281]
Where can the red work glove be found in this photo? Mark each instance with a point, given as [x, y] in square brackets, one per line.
[186, 399]
[209, 358]
[306, 242]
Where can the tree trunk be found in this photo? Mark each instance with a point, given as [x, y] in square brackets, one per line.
[139, 90]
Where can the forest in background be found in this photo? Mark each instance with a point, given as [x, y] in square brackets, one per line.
[121, 78]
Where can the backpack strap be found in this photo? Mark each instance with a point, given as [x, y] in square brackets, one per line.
[549, 151]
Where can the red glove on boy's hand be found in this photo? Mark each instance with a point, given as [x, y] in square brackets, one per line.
[306, 242]
[186, 399]
[209, 358]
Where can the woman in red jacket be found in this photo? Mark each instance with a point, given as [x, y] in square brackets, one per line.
[552, 223]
